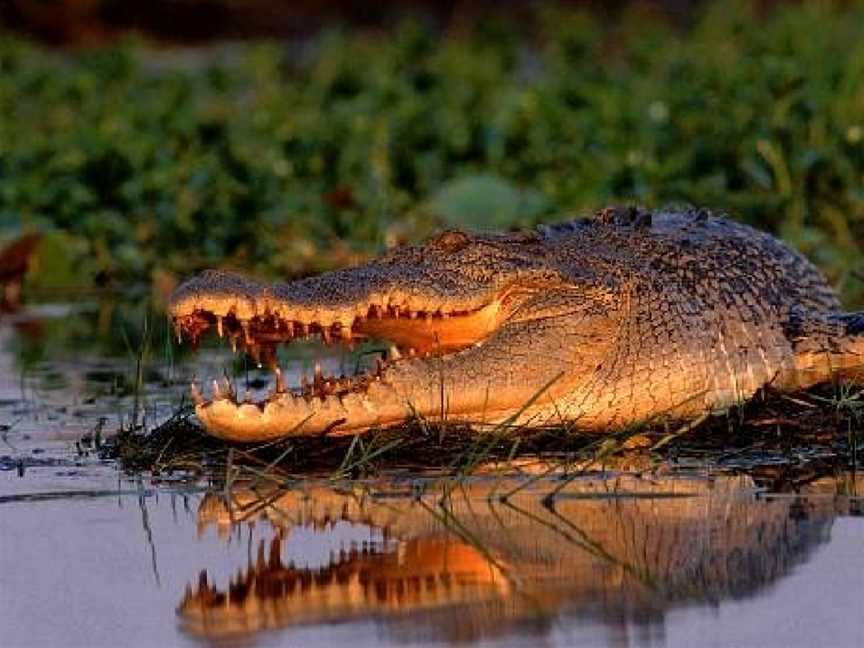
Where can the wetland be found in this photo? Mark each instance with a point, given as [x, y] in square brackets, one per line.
[739, 541]
[131, 161]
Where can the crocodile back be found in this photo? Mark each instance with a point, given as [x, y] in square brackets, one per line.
[704, 306]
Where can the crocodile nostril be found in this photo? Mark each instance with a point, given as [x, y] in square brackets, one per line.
[451, 240]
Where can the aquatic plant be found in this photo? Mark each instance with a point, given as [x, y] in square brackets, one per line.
[289, 158]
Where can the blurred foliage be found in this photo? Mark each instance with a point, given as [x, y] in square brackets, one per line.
[288, 158]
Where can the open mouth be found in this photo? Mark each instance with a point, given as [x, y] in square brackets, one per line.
[408, 334]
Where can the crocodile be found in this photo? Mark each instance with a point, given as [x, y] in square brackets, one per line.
[599, 323]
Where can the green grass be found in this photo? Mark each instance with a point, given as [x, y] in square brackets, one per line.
[287, 159]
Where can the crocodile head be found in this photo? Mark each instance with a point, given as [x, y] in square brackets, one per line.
[454, 310]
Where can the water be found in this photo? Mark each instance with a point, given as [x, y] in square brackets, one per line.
[90, 556]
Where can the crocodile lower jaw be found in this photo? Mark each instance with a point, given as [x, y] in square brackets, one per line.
[289, 414]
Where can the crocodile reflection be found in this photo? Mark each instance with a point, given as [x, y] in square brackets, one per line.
[460, 564]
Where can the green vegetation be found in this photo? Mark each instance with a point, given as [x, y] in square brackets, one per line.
[288, 158]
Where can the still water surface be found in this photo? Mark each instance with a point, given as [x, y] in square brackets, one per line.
[92, 557]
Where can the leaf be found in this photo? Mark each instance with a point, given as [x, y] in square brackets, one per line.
[485, 202]
[56, 263]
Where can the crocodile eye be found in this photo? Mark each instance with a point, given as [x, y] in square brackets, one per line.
[451, 241]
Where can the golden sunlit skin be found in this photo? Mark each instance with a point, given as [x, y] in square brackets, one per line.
[597, 323]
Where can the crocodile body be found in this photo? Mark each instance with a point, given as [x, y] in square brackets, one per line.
[594, 324]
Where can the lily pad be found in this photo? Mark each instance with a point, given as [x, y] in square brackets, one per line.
[486, 202]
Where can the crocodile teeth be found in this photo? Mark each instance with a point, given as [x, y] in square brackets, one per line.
[255, 352]
[259, 329]
[280, 380]
[197, 398]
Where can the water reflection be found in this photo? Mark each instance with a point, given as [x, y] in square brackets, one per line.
[455, 564]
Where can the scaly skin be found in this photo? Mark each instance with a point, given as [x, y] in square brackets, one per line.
[594, 324]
